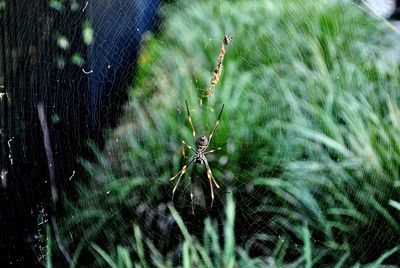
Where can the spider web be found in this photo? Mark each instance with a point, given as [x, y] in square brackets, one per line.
[147, 143]
[265, 92]
[186, 76]
[65, 55]
[274, 163]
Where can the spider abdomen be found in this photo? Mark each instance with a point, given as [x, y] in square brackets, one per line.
[201, 142]
[199, 160]
[201, 146]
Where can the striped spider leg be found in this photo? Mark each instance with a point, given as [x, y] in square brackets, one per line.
[199, 157]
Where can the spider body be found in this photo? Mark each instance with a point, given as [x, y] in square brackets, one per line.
[200, 151]
[201, 147]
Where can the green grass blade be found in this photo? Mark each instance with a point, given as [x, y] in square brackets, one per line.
[229, 235]
[307, 247]
[49, 247]
[381, 259]
[106, 257]
[139, 246]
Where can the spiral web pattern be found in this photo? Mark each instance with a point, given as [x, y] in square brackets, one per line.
[292, 158]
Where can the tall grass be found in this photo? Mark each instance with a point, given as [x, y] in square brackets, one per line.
[207, 252]
[311, 90]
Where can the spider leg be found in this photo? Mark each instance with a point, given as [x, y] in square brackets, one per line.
[215, 125]
[188, 146]
[180, 173]
[210, 179]
[211, 186]
[190, 120]
[215, 150]
[209, 173]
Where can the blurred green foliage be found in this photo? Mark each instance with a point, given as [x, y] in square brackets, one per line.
[56, 4]
[312, 127]
[88, 33]
[2, 5]
[63, 42]
[67, 42]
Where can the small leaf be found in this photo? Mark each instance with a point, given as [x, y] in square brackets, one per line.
[88, 33]
[57, 5]
[77, 60]
[63, 42]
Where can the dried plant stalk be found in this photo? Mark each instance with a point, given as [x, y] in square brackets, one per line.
[218, 70]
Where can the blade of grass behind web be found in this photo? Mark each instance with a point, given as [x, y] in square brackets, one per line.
[342, 260]
[139, 246]
[211, 239]
[229, 245]
[307, 248]
[186, 255]
[180, 223]
[107, 258]
[394, 204]
[381, 259]
[48, 247]
[124, 259]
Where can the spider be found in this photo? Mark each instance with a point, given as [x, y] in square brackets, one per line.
[200, 151]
